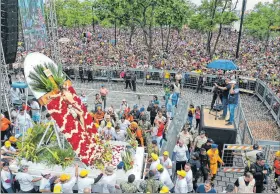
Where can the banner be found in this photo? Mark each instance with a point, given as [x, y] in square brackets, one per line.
[33, 24]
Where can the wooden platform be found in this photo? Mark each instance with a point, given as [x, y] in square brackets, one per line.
[209, 120]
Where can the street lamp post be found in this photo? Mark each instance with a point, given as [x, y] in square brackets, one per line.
[240, 28]
[93, 24]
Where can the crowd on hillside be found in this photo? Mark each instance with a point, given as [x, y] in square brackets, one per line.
[186, 52]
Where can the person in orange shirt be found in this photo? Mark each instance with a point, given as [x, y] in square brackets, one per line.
[128, 115]
[137, 132]
[276, 166]
[5, 125]
[214, 158]
[99, 115]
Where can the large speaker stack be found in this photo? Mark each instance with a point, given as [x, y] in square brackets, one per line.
[9, 29]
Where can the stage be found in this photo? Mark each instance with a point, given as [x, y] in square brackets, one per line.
[217, 129]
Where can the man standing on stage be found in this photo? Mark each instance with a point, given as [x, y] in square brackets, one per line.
[224, 97]
[232, 100]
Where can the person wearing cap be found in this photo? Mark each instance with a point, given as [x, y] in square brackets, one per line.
[129, 186]
[135, 130]
[225, 95]
[108, 181]
[181, 183]
[207, 145]
[205, 164]
[151, 184]
[123, 123]
[164, 177]
[45, 185]
[154, 163]
[123, 107]
[232, 100]
[214, 158]
[8, 148]
[180, 155]
[108, 132]
[103, 93]
[6, 178]
[166, 162]
[164, 189]
[85, 182]
[153, 108]
[120, 135]
[245, 184]
[68, 182]
[276, 165]
[13, 141]
[206, 188]
[26, 180]
[199, 141]
[135, 112]
[97, 102]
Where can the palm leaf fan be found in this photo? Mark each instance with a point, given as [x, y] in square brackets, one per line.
[57, 73]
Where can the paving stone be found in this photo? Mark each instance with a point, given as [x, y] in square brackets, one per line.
[232, 180]
[219, 189]
[221, 173]
[225, 179]
[218, 178]
[230, 175]
[221, 183]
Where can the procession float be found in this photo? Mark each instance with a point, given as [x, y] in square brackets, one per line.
[71, 136]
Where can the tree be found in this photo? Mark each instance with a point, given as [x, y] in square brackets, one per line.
[209, 15]
[73, 13]
[261, 20]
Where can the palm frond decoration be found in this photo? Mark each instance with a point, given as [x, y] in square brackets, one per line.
[42, 83]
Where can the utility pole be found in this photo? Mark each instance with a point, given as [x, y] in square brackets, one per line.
[240, 28]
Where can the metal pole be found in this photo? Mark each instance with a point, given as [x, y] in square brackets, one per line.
[93, 25]
[240, 28]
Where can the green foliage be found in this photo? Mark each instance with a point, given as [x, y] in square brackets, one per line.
[74, 13]
[40, 82]
[264, 15]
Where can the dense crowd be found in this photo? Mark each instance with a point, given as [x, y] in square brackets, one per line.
[195, 156]
[186, 52]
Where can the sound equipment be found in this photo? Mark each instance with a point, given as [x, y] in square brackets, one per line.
[9, 29]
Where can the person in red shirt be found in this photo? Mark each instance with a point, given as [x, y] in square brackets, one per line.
[276, 166]
[160, 131]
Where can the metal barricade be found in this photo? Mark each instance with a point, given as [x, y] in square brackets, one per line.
[234, 158]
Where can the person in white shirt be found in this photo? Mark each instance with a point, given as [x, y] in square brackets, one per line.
[108, 181]
[189, 177]
[119, 135]
[123, 107]
[123, 123]
[84, 98]
[245, 184]
[35, 110]
[67, 183]
[45, 185]
[166, 162]
[85, 182]
[15, 95]
[180, 155]
[108, 132]
[181, 184]
[23, 122]
[26, 180]
[159, 118]
[6, 178]
[153, 166]
[8, 148]
[164, 177]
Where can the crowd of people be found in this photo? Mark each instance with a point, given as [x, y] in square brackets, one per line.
[195, 157]
[186, 52]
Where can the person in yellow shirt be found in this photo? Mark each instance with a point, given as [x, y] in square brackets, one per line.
[214, 158]
[166, 75]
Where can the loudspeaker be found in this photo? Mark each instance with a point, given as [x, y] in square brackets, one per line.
[9, 29]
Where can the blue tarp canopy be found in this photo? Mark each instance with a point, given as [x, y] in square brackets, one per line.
[222, 64]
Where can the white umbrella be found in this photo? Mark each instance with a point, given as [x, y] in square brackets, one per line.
[64, 40]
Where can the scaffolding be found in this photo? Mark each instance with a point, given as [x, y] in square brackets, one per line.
[52, 31]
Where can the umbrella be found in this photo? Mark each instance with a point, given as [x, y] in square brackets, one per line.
[64, 40]
[222, 64]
